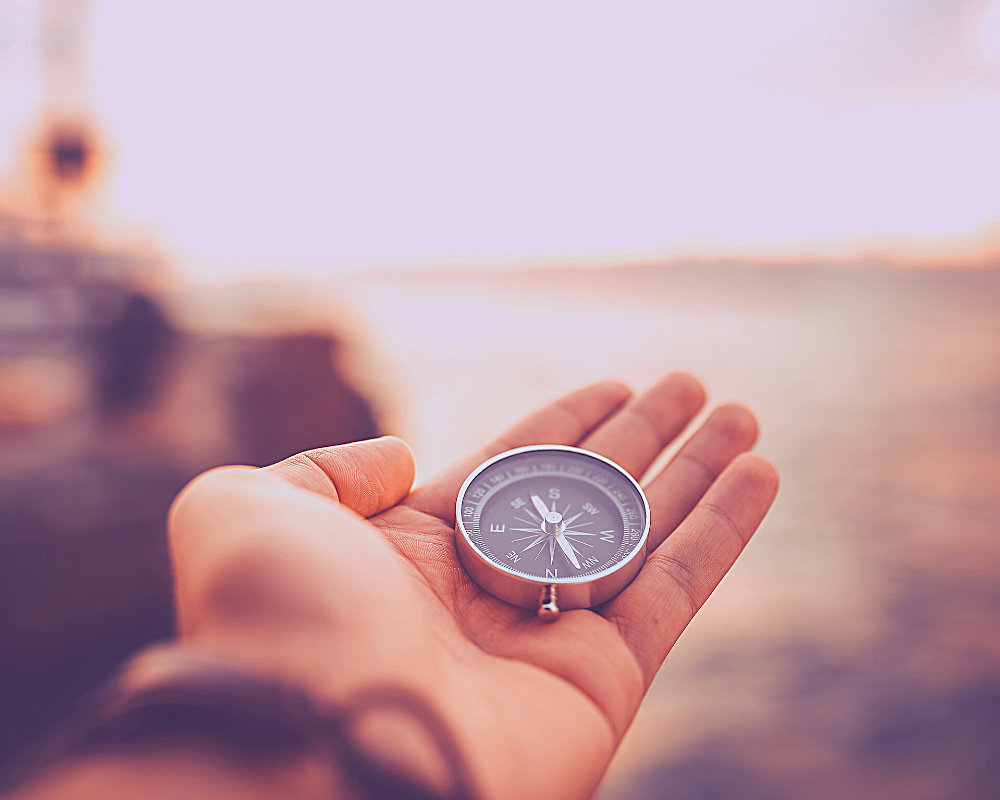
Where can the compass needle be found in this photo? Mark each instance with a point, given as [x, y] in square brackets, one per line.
[567, 549]
[539, 505]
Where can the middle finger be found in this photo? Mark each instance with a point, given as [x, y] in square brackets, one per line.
[634, 436]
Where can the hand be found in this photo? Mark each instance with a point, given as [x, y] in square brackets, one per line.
[327, 570]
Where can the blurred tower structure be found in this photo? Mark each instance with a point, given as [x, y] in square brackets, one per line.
[67, 151]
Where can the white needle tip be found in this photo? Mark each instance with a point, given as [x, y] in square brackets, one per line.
[539, 505]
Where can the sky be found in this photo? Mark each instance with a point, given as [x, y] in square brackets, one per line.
[308, 139]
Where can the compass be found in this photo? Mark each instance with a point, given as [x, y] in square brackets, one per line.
[551, 527]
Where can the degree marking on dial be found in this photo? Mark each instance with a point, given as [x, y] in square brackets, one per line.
[587, 478]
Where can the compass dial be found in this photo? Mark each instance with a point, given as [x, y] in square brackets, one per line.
[554, 515]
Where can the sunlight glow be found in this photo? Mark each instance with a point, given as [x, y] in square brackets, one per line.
[322, 138]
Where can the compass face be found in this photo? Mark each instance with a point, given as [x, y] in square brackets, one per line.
[553, 514]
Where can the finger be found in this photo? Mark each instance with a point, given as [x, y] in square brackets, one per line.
[681, 573]
[729, 430]
[566, 421]
[635, 435]
[367, 477]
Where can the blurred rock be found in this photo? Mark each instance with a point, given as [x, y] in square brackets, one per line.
[106, 410]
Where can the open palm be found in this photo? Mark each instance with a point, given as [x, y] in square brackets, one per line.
[287, 574]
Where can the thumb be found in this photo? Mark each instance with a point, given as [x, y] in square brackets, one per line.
[366, 477]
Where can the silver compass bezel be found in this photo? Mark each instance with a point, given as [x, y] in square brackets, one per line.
[522, 590]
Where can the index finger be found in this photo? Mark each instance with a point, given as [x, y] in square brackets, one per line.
[566, 421]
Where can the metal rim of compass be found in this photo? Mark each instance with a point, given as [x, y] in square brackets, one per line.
[561, 594]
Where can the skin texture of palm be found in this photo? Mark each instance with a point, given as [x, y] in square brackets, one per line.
[328, 571]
